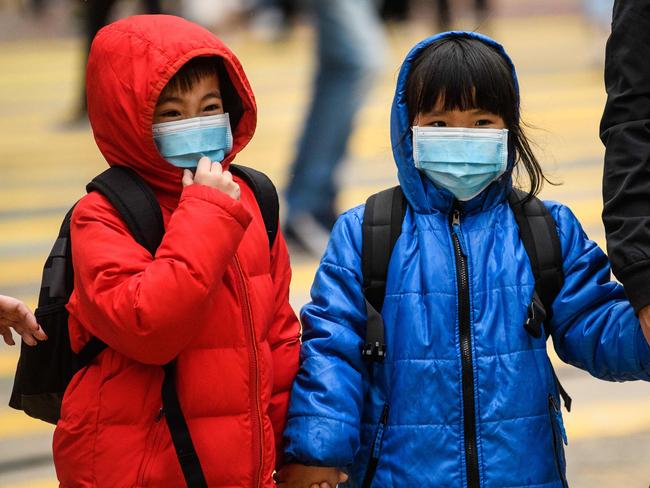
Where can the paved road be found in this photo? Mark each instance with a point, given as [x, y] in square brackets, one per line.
[44, 168]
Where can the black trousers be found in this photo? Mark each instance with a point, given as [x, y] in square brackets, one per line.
[97, 14]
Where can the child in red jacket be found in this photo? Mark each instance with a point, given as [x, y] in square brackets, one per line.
[165, 95]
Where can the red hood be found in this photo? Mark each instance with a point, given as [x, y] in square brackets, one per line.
[130, 62]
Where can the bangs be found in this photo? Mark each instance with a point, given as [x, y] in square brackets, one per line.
[192, 72]
[462, 74]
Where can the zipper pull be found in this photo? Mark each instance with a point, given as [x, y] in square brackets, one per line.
[455, 219]
[159, 415]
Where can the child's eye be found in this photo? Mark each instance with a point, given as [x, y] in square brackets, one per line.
[481, 122]
[171, 113]
[212, 108]
[438, 123]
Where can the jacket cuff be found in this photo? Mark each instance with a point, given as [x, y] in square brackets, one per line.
[319, 441]
[219, 198]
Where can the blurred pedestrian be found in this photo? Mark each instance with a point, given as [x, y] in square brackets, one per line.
[481, 11]
[96, 14]
[273, 19]
[350, 52]
[397, 10]
[598, 14]
[15, 315]
[625, 131]
[424, 355]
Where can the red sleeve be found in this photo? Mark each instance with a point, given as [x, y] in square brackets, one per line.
[284, 339]
[149, 308]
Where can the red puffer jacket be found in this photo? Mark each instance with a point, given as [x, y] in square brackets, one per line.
[214, 297]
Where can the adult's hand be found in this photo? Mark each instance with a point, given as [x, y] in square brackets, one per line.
[14, 314]
[644, 317]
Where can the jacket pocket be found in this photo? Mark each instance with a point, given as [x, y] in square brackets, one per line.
[375, 449]
[559, 437]
[150, 449]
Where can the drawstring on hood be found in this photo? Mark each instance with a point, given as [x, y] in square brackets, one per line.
[422, 195]
[130, 63]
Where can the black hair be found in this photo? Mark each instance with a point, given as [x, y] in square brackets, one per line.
[464, 73]
[196, 69]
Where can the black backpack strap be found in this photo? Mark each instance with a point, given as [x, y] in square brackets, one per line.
[180, 433]
[137, 205]
[382, 226]
[539, 235]
[265, 194]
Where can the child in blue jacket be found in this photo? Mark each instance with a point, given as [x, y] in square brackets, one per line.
[465, 396]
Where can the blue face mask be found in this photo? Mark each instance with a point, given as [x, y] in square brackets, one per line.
[183, 142]
[463, 161]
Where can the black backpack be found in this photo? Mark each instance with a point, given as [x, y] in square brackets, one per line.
[382, 226]
[45, 370]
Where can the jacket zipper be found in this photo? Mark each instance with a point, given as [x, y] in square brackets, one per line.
[253, 370]
[465, 335]
[375, 449]
[553, 410]
[151, 446]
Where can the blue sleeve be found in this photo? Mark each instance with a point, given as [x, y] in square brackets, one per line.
[324, 416]
[594, 327]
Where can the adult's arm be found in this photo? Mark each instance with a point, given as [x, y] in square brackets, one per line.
[625, 131]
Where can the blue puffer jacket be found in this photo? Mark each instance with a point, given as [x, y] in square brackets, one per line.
[489, 411]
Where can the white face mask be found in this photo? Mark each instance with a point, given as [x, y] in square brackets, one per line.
[462, 160]
[183, 142]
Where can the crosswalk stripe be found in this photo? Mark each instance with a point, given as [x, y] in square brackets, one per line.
[14, 423]
[49, 482]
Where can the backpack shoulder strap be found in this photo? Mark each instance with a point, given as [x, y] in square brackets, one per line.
[265, 194]
[540, 238]
[382, 226]
[135, 202]
[542, 243]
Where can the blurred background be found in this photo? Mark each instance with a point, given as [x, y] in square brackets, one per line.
[47, 155]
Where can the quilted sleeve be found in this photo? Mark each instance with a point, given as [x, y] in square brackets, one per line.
[326, 401]
[594, 327]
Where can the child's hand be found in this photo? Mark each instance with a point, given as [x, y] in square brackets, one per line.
[211, 174]
[301, 476]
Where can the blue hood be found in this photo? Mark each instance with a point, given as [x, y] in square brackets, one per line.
[423, 196]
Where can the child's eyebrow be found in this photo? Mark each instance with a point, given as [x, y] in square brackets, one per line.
[480, 111]
[169, 98]
[212, 94]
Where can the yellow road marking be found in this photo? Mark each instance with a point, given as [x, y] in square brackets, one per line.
[40, 483]
[14, 423]
[9, 359]
[608, 419]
